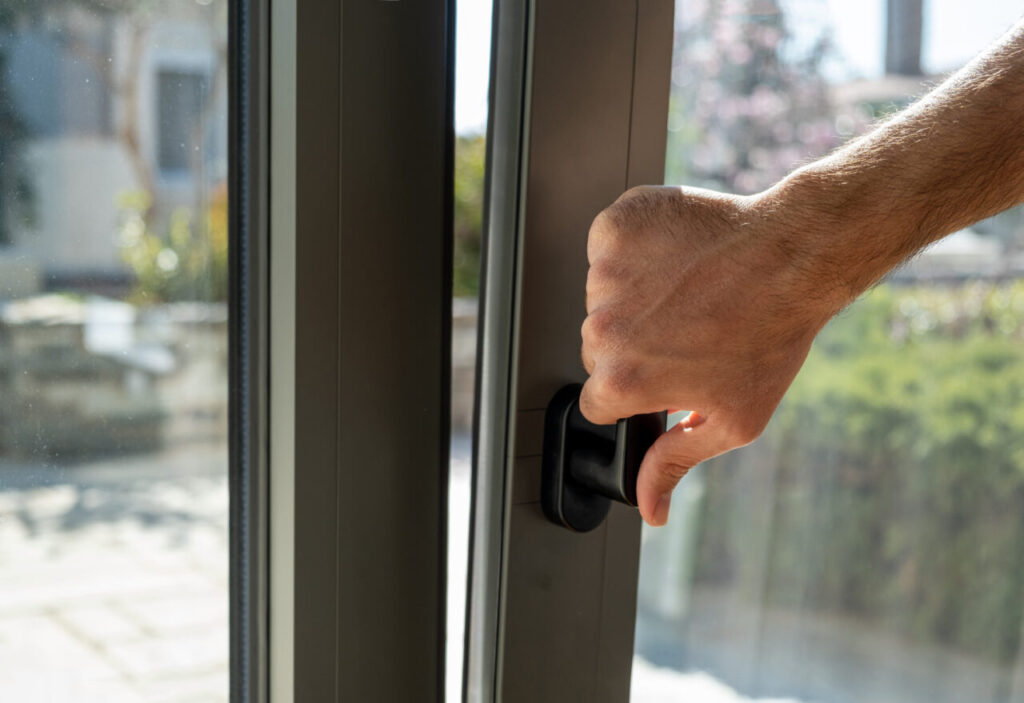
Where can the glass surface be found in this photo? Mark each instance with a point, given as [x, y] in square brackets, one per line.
[179, 104]
[870, 546]
[113, 351]
[472, 74]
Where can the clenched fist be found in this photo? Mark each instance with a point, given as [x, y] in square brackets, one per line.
[693, 302]
[709, 302]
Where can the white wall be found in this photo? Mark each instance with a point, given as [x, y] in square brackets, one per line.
[77, 181]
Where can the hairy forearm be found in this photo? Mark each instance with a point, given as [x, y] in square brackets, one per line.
[951, 159]
[710, 301]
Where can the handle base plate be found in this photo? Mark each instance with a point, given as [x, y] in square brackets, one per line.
[564, 500]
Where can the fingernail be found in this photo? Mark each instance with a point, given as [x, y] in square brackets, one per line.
[661, 509]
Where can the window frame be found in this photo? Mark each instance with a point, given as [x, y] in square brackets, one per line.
[248, 248]
[585, 119]
[360, 391]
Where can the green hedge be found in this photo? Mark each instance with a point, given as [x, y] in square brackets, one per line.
[894, 489]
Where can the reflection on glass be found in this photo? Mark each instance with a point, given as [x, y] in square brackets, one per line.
[113, 351]
[472, 71]
[870, 547]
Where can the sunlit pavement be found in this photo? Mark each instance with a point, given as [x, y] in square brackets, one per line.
[114, 580]
[458, 552]
[651, 684]
[114, 584]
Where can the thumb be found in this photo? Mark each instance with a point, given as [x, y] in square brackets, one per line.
[671, 456]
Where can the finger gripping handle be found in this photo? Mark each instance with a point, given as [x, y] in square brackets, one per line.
[586, 466]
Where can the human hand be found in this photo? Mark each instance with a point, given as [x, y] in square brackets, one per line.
[693, 301]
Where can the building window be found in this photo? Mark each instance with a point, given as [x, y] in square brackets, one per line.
[181, 96]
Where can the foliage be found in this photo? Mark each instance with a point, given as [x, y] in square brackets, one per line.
[888, 486]
[896, 483]
[185, 262]
[469, 196]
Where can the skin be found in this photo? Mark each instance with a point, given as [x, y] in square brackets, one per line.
[710, 302]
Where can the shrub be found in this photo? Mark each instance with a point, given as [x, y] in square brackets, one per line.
[185, 262]
[898, 486]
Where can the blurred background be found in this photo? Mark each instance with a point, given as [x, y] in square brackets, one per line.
[113, 350]
[868, 548]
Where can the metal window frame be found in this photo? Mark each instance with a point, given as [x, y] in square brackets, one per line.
[574, 123]
[361, 142]
[493, 413]
[248, 114]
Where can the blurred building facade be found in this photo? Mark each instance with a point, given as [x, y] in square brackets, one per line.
[109, 100]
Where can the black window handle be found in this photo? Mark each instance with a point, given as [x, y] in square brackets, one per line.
[586, 466]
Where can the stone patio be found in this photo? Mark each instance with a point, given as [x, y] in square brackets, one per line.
[114, 580]
[114, 583]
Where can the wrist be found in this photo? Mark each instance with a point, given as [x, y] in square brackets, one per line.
[834, 230]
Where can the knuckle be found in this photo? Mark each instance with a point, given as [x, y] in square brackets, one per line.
[599, 329]
[592, 403]
[613, 390]
[636, 207]
[622, 382]
[603, 229]
[599, 391]
[594, 282]
[602, 222]
[605, 237]
[587, 361]
[603, 271]
[635, 192]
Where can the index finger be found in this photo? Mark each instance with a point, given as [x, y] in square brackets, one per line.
[601, 407]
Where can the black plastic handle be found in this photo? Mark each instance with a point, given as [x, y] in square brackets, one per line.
[586, 466]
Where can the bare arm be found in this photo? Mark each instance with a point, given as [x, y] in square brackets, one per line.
[710, 302]
[951, 159]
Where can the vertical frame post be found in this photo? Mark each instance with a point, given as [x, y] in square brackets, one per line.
[248, 249]
[558, 607]
[360, 335]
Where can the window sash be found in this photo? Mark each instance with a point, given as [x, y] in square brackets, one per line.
[360, 281]
[248, 184]
[575, 123]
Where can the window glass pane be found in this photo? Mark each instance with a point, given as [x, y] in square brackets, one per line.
[870, 547]
[472, 74]
[113, 351]
[179, 106]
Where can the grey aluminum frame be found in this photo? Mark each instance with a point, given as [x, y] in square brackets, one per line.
[579, 112]
[248, 52]
[360, 275]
